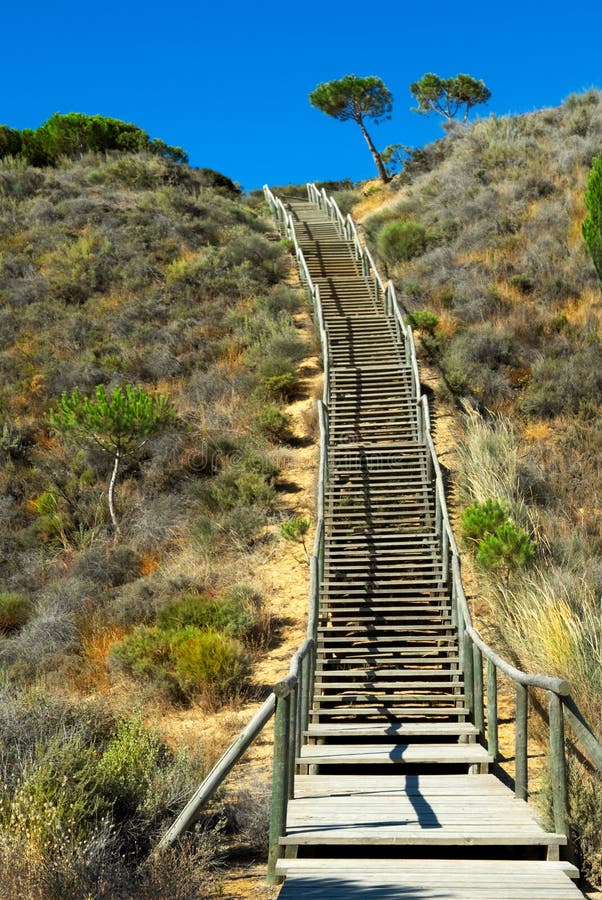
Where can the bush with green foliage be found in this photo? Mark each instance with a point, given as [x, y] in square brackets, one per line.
[15, 610]
[233, 616]
[76, 133]
[188, 662]
[508, 548]
[401, 241]
[499, 543]
[295, 530]
[481, 519]
[271, 421]
[592, 224]
[424, 320]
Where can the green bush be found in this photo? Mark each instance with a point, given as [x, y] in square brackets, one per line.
[500, 544]
[145, 654]
[60, 798]
[209, 665]
[423, 319]
[507, 548]
[401, 241]
[127, 766]
[592, 224]
[481, 519]
[236, 486]
[272, 422]
[233, 616]
[14, 611]
[187, 661]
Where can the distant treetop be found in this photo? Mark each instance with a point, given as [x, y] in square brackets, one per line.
[76, 133]
[447, 96]
[355, 98]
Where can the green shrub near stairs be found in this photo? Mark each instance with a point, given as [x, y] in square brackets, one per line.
[481, 519]
[499, 543]
[401, 241]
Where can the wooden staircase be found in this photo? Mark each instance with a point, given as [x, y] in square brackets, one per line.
[393, 797]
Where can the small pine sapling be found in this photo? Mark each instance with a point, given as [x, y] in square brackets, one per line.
[119, 423]
[295, 530]
[592, 224]
[508, 548]
[482, 519]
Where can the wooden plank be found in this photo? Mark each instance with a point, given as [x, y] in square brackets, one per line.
[399, 729]
[384, 754]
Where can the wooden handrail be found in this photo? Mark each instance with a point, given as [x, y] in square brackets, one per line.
[218, 773]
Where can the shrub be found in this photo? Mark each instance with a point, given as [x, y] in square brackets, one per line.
[401, 241]
[507, 548]
[481, 519]
[423, 319]
[209, 665]
[144, 654]
[272, 422]
[185, 662]
[592, 224]
[234, 617]
[14, 611]
[295, 530]
[563, 383]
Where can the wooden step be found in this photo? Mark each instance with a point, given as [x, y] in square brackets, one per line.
[444, 879]
[394, 754]
[397, 712]
[397, 729]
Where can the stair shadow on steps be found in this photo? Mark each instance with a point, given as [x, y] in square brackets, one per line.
[427, 817]
[345, 889]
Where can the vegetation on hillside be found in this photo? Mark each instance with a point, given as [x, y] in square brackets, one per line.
[482, 234]
[148, 342]
[68, 136]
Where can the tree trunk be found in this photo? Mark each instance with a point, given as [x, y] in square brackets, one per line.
[112, 492]
[384, 176]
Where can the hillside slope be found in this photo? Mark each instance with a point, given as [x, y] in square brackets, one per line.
[133, 270]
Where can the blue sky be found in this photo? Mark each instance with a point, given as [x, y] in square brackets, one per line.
[229, 81]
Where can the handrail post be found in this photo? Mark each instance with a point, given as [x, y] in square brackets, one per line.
[477, 674]
[292, 739]
[279, 785]
[454, 603]
[492, 736]
[558, 766]
[314, 588]
[469, 674]
[461, 633]
[438, 510]
[305, 693]
[445, 553]
[521, 774]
